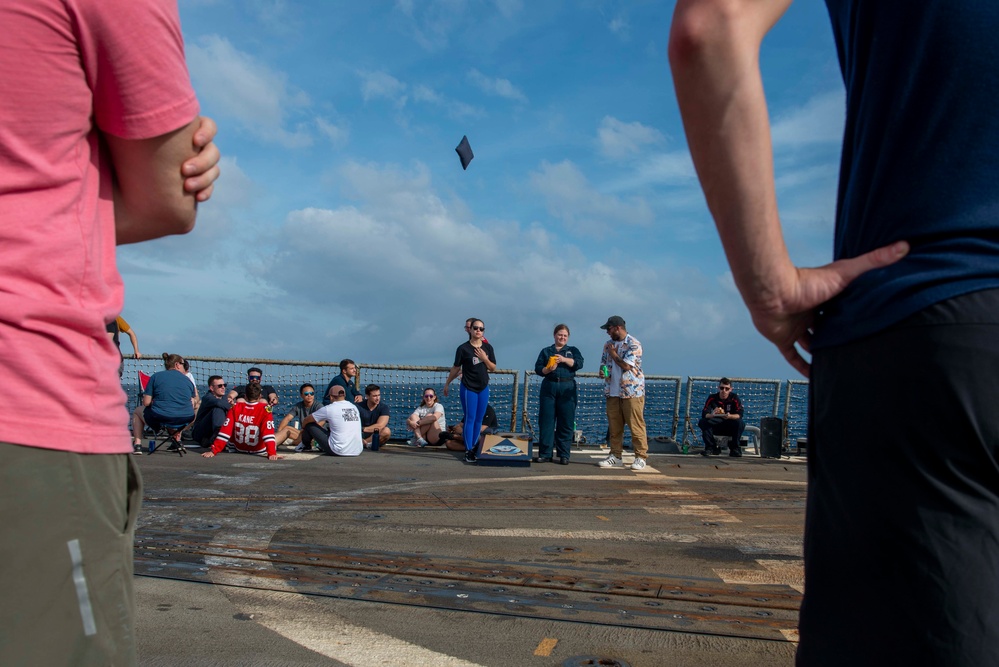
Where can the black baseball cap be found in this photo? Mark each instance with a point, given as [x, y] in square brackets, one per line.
[613, 321]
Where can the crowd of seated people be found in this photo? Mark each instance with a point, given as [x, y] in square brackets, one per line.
[218, 420]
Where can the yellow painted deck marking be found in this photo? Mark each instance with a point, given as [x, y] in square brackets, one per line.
[546, 646]
[788, 573]
[704, 512]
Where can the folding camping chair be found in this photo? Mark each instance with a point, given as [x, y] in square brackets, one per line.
[166, 433]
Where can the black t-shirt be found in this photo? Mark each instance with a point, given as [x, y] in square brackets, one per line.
[265, 392]
[474, 375]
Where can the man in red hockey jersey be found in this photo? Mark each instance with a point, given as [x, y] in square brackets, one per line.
[249, 427]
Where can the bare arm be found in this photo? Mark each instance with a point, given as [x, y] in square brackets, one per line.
[714, 55]
[135, 343]
[452, 374]
[149, 196]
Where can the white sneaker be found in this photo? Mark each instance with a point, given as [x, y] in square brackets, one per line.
[638, 464]
[611, 462]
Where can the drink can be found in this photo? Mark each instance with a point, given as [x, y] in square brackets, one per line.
[152, 445]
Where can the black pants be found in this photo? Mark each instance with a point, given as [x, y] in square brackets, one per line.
[713, 426]
[556, 417]
[902, 521]
[320, 434]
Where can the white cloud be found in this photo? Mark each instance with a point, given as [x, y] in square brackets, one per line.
[236, 85]
[509, 7]
[381, 85]
[453, 108]
[819, 120]
[337, 134]
[433, 21]
[499, 87]
[619, 26]
[618, 140]
[401, 270]
[571, 198]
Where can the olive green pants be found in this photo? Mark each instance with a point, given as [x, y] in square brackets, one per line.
[68, 522]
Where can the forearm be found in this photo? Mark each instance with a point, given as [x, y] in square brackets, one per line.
[714, 55]
[149, 197]
[135, 343]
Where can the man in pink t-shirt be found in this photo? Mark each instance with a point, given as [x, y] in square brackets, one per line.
[100, 144]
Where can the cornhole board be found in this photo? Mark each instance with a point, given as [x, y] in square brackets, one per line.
[505, 449]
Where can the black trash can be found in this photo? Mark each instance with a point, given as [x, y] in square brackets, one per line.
[771, 437]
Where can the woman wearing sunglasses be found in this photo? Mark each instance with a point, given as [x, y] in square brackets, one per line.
[474, 360]
[427, 421]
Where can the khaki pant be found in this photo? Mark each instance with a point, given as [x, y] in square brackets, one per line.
[621, 411]
[68, 524]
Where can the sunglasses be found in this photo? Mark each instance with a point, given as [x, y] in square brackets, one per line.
[308, 393]
[478, 328]
[429, 396]
[219, 386]
[252, 378]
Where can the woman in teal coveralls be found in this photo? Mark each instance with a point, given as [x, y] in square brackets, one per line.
[557, 396]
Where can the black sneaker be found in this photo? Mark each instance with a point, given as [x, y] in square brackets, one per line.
[469, 456]
[564, 460]
[734, 453]
[542, 459]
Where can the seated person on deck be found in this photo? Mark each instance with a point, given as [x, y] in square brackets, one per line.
[342, 434]
[374, 416]
[722, 415]
[249, 427]
[212, 413]
[455, 440]
[291, 425]
[238, 394]
[427, 421]
[167, 400]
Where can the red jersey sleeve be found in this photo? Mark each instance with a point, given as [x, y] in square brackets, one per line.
[222, 439]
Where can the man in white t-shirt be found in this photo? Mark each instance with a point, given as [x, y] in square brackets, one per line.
[342, 434]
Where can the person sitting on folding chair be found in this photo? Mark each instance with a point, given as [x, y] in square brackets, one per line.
[167, 402]
[249, 427]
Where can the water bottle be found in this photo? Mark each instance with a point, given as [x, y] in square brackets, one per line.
[604, 371]
[686, 448]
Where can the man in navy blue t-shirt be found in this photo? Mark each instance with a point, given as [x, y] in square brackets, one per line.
[902, 522]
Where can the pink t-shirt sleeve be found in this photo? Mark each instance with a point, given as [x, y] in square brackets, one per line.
[133, 56]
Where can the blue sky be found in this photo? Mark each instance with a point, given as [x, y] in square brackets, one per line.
[344, 226]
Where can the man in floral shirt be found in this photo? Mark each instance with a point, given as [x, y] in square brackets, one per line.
[624, 387]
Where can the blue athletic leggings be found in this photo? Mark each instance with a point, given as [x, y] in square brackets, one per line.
[475, 411]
